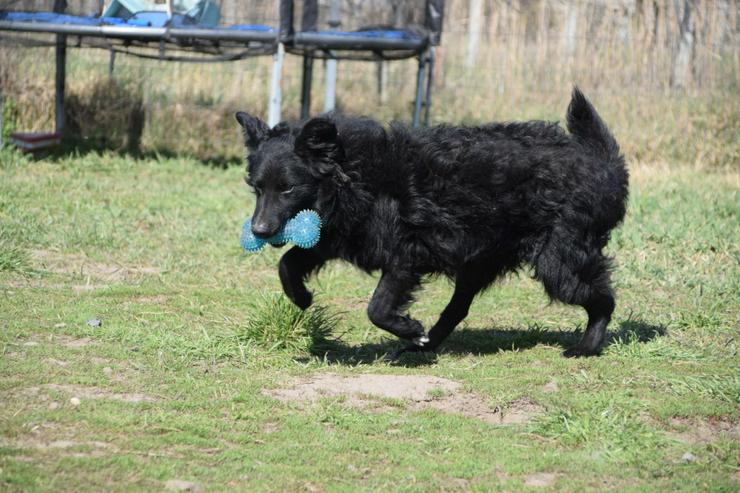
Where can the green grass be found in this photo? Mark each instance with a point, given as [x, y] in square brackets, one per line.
[275, 322]
[150, 247]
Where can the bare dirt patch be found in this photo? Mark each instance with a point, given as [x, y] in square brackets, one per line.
[181, 485]
[540, 479]
[50, 438]
[80, 264]
[72, 343]
[56, 362]
[156, 299]
[83, 392]
[89, 448]
[417, 392]
[695, 431]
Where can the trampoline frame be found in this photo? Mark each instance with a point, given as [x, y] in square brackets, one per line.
[311, 43]
[308, 43]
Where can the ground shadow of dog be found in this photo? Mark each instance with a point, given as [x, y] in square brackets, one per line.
[479, 341]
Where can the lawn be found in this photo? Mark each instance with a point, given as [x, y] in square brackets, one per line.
[175, 383]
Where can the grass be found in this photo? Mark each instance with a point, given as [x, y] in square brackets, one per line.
[276, 323]
[150, 247]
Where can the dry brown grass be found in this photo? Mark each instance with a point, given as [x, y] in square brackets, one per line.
[621, 53]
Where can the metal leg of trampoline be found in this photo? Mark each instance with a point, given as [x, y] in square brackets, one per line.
[306, 85]
[430, 80]
[274, 105]
[60, 82]
[111, 63]
[61, 72]
[419, 90]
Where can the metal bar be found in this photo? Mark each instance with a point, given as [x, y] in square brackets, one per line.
[274, 105]
[111, 63]
[430, 80]
[61, 73]
[352, 42]
[330, 93]
[306, 86]
[141, 33]
[2, 120]
[419, 89]
[59, 82]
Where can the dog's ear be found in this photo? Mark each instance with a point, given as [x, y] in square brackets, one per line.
[319, 142]
[255, 130]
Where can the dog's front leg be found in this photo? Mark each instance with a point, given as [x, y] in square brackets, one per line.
[391, 297]
[295, 266]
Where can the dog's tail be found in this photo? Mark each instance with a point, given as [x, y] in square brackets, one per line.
[587, 127]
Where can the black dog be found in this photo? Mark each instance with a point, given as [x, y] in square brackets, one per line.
[469, 202]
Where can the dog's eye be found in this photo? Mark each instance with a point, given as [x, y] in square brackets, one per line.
[288, 191]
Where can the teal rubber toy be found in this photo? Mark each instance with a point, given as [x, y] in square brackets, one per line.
[304, 230]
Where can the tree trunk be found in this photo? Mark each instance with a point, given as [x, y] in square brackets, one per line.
[683, 61]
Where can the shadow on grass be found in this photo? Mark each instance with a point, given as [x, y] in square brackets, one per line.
[81, 147]
[476, 341]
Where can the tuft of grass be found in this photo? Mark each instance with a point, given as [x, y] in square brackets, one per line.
[608, 424]
[277, 324]
[14, 258]
[722, 387]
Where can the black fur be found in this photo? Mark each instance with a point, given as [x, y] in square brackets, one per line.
[472, 203]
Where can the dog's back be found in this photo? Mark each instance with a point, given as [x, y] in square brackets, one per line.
[451, 195]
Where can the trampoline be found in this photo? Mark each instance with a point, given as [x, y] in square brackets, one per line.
[161, 34]
[191, 30]
[380, 30]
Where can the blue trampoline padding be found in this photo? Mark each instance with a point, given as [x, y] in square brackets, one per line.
[50, 17]
[141, 19]
[391, 34]
[251, 27]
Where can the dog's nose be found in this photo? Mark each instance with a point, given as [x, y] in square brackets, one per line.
[262, 230]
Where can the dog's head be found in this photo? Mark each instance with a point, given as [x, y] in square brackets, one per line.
[285, 167]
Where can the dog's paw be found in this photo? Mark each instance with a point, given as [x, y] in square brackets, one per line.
[579, 352]
[410, 348]
[303, 300]
[421, 340]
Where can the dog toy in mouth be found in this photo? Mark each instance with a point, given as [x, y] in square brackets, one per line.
[304, 230]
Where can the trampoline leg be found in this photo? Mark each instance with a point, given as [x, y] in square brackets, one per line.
[419, 90]
[430, 77]
[111, 63]
[59, 83]
[273, 107]
[306, 86]
[61, 72]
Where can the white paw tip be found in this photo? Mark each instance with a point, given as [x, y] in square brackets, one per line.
[421, 340]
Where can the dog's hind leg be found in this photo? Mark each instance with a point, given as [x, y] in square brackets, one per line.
[295, 266]
[392, 295]
[579, 277]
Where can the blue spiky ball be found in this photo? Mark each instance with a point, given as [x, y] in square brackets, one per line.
[304, 230]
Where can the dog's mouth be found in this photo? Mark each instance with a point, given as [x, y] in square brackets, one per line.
[265, 229]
